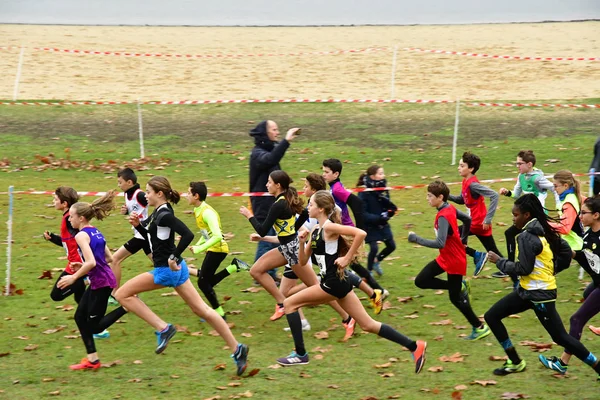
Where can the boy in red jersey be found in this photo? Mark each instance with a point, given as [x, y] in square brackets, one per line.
[452, 258]
[472, 196]
[64, 198]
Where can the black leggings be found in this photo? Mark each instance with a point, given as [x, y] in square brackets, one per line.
[76, 289]
[90, 316]
[207, 279]
[427, 280]
[363, 273]
[546, 313]
[373, 257]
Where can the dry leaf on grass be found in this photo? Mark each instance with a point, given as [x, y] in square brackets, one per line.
[387, 374]
[244, 302]
[438, 292]
[252, 289]
[111, 364]
[31, 347]
[134, 380]
[484, 383]
[244, 334]
[428, 306]
[274, 366]
[404, 299]
[219, 367]
[55, 393]
[254, 372]
[442, 322]
[455, 358]
[48, 380]
[333, 386]
[234, 384]
[22, 337]
[386, 365]
[304, 375]
[439, 338]
[435, 369]
[460, 387]
[498, 358]
[513, 396]
[456, 395]
[138, 362]
[411, 316]
[321, 335]
[169, 294]
[318, 357]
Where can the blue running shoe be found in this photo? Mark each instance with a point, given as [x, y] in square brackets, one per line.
[293, 359]
[480, 259]
[163, 338]
[377, 268]
[554, 363]
[102, 335]
[240, 357]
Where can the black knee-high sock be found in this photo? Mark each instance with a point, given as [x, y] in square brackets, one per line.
[511, 352]
[390, 333]
[363, 273]
[296, 328]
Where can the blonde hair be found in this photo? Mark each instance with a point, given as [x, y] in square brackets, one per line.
[99, 208]
[565, 176]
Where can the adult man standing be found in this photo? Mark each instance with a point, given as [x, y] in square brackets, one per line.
[264, 159]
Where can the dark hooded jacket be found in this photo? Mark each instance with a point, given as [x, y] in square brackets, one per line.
[529, 246]
[264, 159]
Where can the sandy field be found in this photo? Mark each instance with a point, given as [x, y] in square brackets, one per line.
[48, 75]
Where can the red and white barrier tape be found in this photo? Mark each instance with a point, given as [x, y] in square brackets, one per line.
[253, 101]
[255, 194]
[483, 55]
[191, 56]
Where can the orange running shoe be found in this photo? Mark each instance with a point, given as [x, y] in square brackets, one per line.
[349, 329]
[377, 302]
[595, 330]
[279, 312]
[85, 364]
[419, 355]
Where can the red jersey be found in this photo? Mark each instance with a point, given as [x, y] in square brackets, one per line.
[67, 236]
[476, 207]
[453, 257]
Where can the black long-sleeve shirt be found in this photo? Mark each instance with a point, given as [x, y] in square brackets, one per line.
[160, 231]
[282, 219]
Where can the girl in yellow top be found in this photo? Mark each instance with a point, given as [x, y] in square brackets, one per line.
[540, 254]
[213, 243]
[569, 227]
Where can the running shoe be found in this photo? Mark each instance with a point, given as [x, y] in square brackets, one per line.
[554, 363]
[376, 302]
[85, 364]
[163, 338]
[349, 326]
[377, 268]
[102, 335]
[480, 259]
[279, 312]
[112, 301]
[465, 291]
[240, 357]
[479, 333]
[240, 265]
[384, 295]
[305, 326]
[293, 359]
[419, 355]
[594, 329]
[509, 368]
[499, 274]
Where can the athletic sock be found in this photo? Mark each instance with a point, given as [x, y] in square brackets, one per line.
[231, 269]
[511, 352]
[166, 329]
[470, 251]
[373, 295]
[280, 304]
[389, 333]
[345, 321]
[295, 323]
[220, 311]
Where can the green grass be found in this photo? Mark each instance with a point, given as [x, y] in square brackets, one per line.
[211, 143]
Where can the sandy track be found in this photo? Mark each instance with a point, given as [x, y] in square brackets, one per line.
[87, 77]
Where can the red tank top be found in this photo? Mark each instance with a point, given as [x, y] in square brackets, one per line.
[453, 257]
[476, 206]
[69, 243]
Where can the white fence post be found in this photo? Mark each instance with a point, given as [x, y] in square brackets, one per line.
[455, 138]
[141, 129]
[9, 238]
[18, 77]
[393, 89]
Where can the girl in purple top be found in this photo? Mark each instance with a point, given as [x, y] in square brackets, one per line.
[90, 315]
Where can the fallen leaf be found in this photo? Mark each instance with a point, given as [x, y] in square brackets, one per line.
[138, 362]
[244, 334]
[31, 347]
[435, 369]
[460, 387]
[387, 374]
[254, 372]
[55, 393]
[219, 367]
[456, 357]
[196, 333]
[134, 380]
[438, 292]
[253, 289]
[234, 384]
[48, 380]
[442, 322]
[304, 375]
[386, 365]
[428, 306]
[484, 383]
[22, 337]
[4, 354]
[404, 299]
[333, 386]
[456, 395]
[498, 358]
[175, 376]
[439, 338]
[318, 357]
[321, 335]
[169, 294]
[273, 366]
[513, 396]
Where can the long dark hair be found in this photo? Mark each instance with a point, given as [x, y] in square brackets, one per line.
[531, 204]
[162, 184]
[289, 192]
[324, 200]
